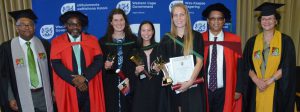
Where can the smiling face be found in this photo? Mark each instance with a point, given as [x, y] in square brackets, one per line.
[74, 26]
[268, 23]
[118, 23]
[25, 28]
[216, 21]
[146, 32]
[179, 17]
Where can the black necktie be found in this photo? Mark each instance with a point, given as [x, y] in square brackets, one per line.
[213, 68]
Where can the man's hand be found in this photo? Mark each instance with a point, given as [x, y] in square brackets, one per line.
[82, 87]
[237, 95]
[13, 105]
[78, 79]
[79, 82]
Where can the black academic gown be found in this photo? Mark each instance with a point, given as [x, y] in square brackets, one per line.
[111, 79]
[3, 84]
[192, 100]
[9, 72]
[284, 93]
[147, 91]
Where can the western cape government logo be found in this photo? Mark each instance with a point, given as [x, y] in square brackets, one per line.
[67, 7]
[125, 6]
[173, 3]
[200, 26]
[47, 31]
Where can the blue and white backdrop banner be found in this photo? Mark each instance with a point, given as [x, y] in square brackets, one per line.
[157, 11]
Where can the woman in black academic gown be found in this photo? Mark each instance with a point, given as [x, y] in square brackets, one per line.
[146, 93]
[191, 97]
[119, 42]
[269, 61]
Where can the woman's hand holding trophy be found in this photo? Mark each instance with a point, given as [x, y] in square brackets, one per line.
[139, 62]
[109, 61]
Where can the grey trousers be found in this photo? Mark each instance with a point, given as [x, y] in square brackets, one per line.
[39, 102]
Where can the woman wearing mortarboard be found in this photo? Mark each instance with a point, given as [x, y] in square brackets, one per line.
[269, 61]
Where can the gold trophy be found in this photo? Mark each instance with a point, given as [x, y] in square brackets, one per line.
[167, 80]
[138, 61]
[111, 57]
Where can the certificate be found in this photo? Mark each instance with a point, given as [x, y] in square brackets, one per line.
[181, 68]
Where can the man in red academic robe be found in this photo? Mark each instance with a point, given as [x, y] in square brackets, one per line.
[76, 60]
[222, 52]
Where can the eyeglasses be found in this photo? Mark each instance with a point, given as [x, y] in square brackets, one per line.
[216, 18]
[25, 25]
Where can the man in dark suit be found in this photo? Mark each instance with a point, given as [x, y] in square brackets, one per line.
[26, 67]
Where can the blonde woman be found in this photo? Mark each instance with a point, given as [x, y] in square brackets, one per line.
[191, 97]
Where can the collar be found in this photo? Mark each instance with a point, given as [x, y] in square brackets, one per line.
[120, 40]
[220, 36]
[23, 42]
[149, 46]
[72, 39]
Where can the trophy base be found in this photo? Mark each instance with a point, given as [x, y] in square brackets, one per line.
[167, 81]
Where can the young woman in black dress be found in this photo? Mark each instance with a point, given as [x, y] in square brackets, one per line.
[191, 98]
[146, 93]
[118, 42]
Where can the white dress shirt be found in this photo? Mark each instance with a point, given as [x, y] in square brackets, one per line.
[35, 54]
[220, 57]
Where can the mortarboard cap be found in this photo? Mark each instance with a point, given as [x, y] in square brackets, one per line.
[27, 13]
[217, 7]
[83, 18]
[268, 8]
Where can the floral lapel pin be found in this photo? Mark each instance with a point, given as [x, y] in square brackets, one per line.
[275, 51]
[20, 62]
[42, 55]
[257, 54]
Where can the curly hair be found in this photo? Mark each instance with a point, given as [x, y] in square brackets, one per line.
[110, 29]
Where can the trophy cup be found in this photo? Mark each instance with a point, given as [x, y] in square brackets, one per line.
[167, 80]
[156, 63]
[111, 57]
[138, 61]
